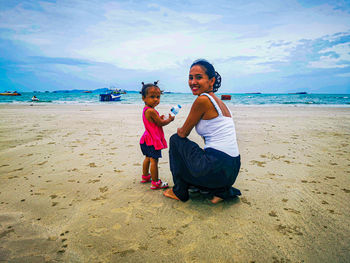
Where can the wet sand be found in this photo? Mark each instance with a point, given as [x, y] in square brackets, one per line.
[70, 191]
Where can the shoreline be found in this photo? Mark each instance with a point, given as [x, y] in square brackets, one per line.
[70, 188]
[118, 104]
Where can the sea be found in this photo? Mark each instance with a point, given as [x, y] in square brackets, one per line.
[328, 100]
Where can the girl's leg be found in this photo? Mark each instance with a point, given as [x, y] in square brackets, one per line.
[154, 169]
[156, 183]
[145, 166]
[146, 177]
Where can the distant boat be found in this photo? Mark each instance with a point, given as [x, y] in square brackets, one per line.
[303, 92]
[87, 91]
[112, 95]
[8, 93]
[226, 97]
[253, 93]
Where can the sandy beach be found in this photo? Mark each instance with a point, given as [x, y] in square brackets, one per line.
[70, 191]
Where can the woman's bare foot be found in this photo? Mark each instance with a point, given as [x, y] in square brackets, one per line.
[170, 193]
[216, 200]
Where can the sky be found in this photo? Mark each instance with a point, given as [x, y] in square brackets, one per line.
[274, 46]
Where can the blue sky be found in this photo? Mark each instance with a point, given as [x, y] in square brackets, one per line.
[273, 46]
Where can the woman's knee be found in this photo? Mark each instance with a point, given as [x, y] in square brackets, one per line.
[173, 139]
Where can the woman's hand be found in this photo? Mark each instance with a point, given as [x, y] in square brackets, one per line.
[181, 133]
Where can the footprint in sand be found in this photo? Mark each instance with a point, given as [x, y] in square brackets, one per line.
[6, 232]
[291, 210]
[245, 201]
[124, 253]
[288, 230]
[258, 163]
[100, 198]
[19, 169]
[93, 181]
[64, 242]
[273, 214]
[103, 189]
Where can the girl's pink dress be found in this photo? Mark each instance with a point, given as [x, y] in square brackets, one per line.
[153, 134]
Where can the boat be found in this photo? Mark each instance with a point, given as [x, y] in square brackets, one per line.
[8, 93]
[87, 91]
[34, 98]
[226, 97]
[303, 92]
[112, 95]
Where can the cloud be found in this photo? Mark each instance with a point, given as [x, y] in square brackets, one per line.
[64, 61]
[91, 39]
[335, 56]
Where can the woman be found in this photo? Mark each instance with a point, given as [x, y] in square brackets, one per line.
[215, 168]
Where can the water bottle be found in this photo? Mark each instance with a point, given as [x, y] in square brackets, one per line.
[175, 110]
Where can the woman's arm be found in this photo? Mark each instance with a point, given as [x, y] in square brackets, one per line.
[152, 116]
[197, 111]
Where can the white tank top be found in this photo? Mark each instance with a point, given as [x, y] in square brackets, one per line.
[219, 133]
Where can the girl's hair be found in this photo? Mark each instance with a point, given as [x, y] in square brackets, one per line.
[145, 87]
[210, 71]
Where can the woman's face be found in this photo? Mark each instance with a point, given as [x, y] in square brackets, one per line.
[199, 81]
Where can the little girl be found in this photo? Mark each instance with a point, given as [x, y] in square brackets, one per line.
[152, 140]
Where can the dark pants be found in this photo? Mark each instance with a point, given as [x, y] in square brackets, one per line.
[208, 169]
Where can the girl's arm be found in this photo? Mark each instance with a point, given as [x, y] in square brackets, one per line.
[152, 116]
[199, 107]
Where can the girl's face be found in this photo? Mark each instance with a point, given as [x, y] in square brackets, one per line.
[152, 98]
[199, 81]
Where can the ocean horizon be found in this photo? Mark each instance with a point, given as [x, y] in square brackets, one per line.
[133, 97]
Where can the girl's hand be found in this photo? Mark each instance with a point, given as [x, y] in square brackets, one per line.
[153, 116]
[171, 118]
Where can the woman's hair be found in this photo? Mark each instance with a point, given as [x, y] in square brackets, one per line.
[210, 71]
[145, 87]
